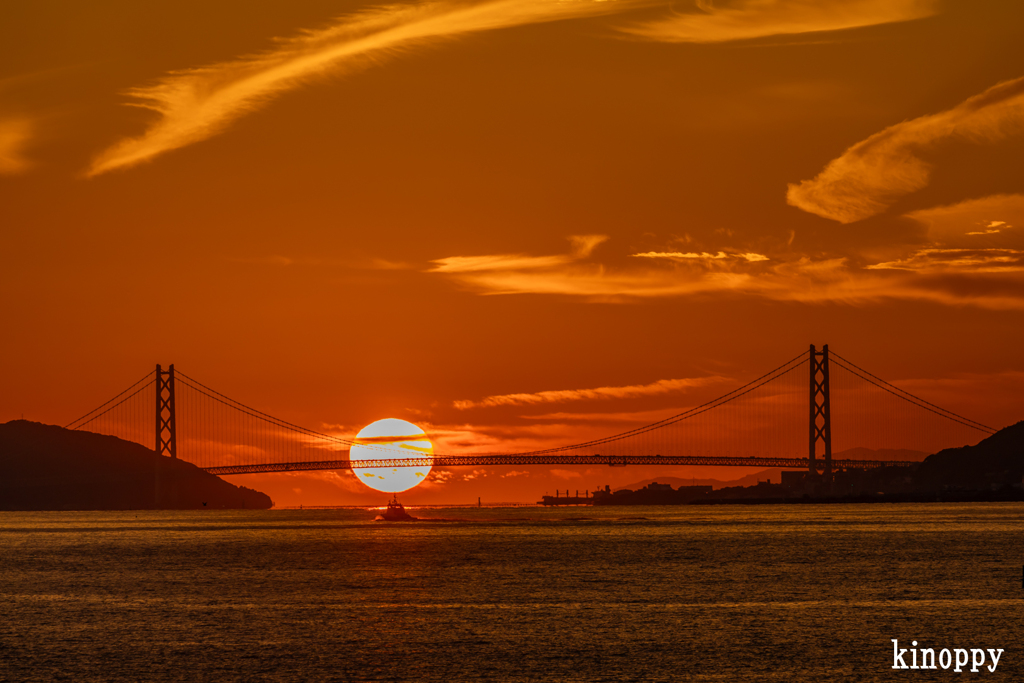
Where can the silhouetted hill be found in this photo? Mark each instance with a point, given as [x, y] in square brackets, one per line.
[45, 467]
[997, 461]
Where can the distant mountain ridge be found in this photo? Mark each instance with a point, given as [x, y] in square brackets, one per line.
[45, 467]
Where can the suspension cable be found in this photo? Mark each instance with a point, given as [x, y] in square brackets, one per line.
[252, 412]
[915, 400]
[720, 401]
[692, 412]
[144, 378]
[270, 419]
[768, 377]
[904, 391]
[126, 398]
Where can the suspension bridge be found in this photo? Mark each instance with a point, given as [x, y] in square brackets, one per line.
[789, 418]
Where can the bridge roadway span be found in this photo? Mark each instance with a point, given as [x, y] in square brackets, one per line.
[499, 460]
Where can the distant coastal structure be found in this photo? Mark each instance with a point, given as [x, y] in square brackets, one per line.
[558, 499]
[653, 494]
[991, 470]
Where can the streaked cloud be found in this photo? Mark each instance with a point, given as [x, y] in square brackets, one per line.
[388, 440]
[344, 480]
[948, 279]
[196, 104]
[958, 260]
[569, 274]
[869, 176]
[282, 261]
[662, 386]
[15, 134]
[701, 257]
[760, 18]
[641, 416]
[671, 273]
[436, 478]
[496, 438]
[582, 247]
[993, 228]
[962, 223]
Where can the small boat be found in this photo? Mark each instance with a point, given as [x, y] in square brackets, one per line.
[396, 513]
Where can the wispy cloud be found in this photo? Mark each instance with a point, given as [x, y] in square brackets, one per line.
[703, 256]
[277, 260]
[993, 228]
[642, 416]
[662, 386]
[958, 260]
[15, 134]
[795, 278]
[569, 274]
[996, 218]
[388, 440]
[582, 247]
[875, 172]
[672, 273]
[760, 18]
[198, 103]
[494, 438]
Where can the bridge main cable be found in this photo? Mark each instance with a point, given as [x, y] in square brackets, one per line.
[95, 413]
[215, 395]
[775, 374]
[909, 397]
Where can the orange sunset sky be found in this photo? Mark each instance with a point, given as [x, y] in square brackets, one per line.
[339, 212]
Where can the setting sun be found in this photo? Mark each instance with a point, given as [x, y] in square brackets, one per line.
[388, 439]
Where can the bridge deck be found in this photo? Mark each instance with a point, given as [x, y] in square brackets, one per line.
[500, 460]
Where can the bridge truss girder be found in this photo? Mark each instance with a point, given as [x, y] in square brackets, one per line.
[519, 460]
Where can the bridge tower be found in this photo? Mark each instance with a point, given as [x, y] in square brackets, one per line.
[821, 413]
[166, 431]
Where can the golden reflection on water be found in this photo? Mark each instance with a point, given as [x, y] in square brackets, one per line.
[789, 593]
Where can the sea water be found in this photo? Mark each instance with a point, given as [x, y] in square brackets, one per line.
[725, 593]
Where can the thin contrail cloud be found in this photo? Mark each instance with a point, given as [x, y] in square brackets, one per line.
[199, 103]
[560, 396]
[751, 19]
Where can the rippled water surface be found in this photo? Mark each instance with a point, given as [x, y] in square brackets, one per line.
[731, 593]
